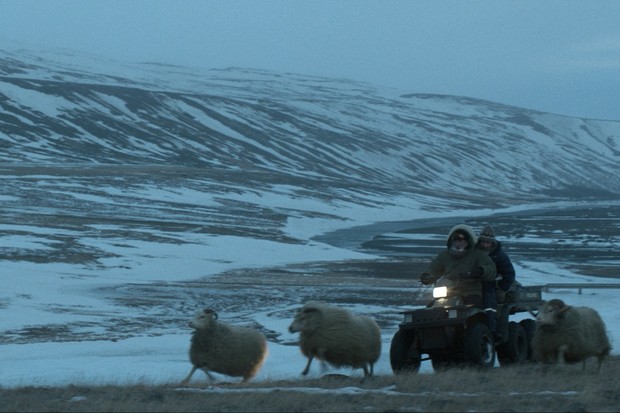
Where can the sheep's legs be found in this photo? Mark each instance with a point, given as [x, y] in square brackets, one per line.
[600, 361]
[324, 366]
[191, 373]
[208, 374]
[189, 376]
[307, 369]
[561, 354]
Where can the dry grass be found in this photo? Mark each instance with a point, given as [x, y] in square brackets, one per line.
[527, 388]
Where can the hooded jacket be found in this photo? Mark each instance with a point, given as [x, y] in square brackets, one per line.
[503, 265]
[445, 265]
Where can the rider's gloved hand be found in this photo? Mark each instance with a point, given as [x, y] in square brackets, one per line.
[427, 278]
[474, 273]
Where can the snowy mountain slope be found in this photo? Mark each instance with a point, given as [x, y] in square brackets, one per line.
[296, 127]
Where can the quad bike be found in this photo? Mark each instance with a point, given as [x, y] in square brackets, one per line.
[451, 332]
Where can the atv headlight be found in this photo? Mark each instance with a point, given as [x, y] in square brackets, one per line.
[440, 292]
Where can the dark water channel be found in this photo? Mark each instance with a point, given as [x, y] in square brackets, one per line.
[584, 238]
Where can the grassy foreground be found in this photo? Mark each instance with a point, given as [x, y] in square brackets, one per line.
[525, 388]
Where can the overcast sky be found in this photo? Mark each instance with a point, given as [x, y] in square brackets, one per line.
[560, 56]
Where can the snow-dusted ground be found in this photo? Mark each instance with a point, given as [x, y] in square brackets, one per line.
[38, 299]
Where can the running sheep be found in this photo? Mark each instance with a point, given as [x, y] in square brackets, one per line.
[336, 336]
[569, 334]
[225, 349]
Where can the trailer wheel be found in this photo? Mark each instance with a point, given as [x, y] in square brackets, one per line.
[514, 350]
[479, 346]
[404, 355]
[529, 326]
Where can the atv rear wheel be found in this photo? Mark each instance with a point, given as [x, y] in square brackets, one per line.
[529, 326]
[514, 350]
[404, 355]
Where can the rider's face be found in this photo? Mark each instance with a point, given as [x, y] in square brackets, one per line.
[459, 240]
[487, 245]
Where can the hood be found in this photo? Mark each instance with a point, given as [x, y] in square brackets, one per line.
[471, 234]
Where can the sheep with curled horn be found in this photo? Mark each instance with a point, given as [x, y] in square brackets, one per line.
[336, 336]
[569, 334]
[230, 350]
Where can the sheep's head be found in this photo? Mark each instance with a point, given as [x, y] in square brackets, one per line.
[551, 312]
[306, 318]
[204, 319]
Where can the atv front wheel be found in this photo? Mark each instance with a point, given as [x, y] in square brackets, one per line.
[404, 355]
[479, 346]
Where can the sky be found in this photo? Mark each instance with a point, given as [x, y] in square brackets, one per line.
[559, 56]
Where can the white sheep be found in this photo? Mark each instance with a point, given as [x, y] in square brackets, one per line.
[569, 334]
[336, 336]
[225, 349]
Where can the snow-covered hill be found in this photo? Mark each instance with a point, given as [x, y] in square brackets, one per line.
[286, 128]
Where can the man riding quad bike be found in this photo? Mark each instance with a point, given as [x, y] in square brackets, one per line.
[454, 328]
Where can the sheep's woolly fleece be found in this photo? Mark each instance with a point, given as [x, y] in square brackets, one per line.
[566, 333]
